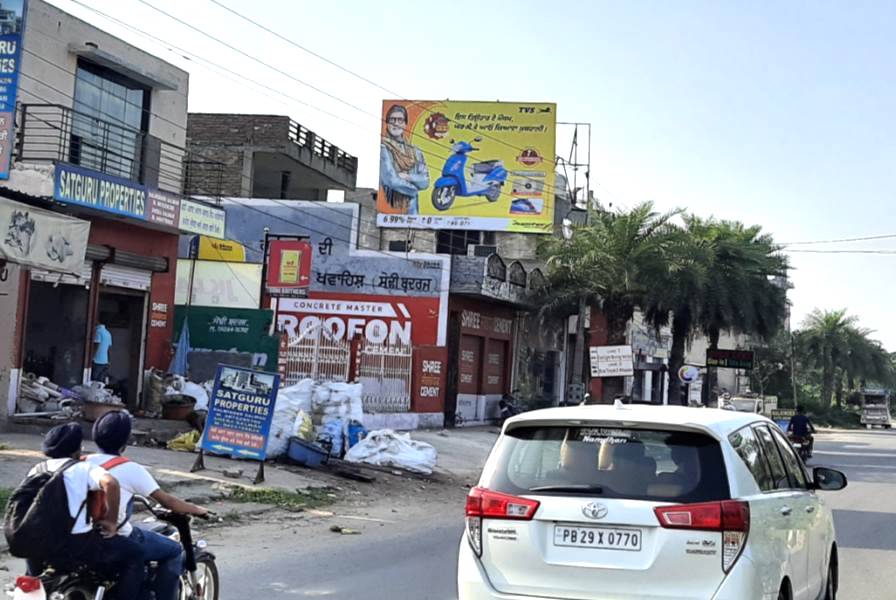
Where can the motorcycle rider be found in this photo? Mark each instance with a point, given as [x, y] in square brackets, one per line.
[801, 427]
[111, 433]
[95, 546]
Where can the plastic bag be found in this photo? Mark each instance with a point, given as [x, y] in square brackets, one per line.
[332, 432]
[289, 402]
[196, 391]
[389, 449]
[185, 442]
[304, 428]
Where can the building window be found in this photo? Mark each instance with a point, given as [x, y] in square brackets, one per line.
[456, 241]
[110, 119]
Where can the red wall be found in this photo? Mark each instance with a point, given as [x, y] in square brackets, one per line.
[147, 242]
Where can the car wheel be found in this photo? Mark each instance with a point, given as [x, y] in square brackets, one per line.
[830, 588]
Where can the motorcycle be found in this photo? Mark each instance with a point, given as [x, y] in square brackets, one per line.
[486, 178]
[803, 446]
[200, 580]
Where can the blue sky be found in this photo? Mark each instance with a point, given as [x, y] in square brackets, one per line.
[778, 114]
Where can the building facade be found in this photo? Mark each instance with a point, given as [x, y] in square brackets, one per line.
[101, 128]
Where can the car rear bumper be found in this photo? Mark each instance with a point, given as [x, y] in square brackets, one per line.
[472, 583]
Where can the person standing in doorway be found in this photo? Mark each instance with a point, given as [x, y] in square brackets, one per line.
[102, 342]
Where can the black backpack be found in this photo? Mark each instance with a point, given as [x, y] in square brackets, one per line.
[37, 523]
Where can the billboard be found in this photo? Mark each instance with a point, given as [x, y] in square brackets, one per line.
[12, 26]
[467, 165]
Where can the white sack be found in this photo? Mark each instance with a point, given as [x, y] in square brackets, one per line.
[389, 449]
[289, 402]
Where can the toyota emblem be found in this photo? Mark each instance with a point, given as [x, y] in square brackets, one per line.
[595, 510]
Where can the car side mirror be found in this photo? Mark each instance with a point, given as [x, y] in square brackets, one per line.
[828, 480]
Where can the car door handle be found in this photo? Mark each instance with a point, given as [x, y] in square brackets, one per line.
[810, 509]
[786, 511]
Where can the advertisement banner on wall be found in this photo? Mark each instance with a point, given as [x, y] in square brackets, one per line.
[215, 283]
[196, 217]
[241, 409]
[430, 375]
[12, 28]
[377, 319]
[288, 268]
[39, 238]
[231, 330]
[467, 165]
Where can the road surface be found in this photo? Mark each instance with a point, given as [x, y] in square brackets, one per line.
[412, 557]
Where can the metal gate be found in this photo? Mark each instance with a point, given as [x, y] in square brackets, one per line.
[318, 356]
[385, 373]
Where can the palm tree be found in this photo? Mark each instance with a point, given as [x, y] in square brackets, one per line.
[823, 340]
[742, 293]
[616, 263]
[720, 277]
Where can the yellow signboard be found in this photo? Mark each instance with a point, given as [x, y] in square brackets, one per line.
[467, 165]
[206, 248]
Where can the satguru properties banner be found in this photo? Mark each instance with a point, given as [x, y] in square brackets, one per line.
[467, 165]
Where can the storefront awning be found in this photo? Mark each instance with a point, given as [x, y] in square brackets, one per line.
[42, 239]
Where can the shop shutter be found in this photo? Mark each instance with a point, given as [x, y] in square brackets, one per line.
[82, 279]
[126, 277]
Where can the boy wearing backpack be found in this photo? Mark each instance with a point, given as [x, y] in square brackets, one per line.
[46, 519]
[111, 433]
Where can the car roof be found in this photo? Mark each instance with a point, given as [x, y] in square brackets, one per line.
[721, 422]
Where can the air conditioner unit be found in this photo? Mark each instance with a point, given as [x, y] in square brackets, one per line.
[482, 250]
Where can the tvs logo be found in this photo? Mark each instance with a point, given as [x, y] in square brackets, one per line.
[595, 510]
[530, 157]
[436, 126]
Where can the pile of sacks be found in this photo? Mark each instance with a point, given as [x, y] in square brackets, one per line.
[387, 448]
[180, 386]
[315, 412]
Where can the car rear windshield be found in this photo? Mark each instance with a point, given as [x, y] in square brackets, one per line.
[638, 464]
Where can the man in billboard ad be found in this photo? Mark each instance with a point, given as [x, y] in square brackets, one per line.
[403, 172]
[467, 165]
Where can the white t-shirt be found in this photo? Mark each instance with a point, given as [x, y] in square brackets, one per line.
[78, 480]
[133, 479]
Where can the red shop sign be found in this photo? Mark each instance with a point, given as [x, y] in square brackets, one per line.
[288, 268]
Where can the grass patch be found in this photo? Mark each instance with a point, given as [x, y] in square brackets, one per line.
[5, 493]
[294, 501]
[4, 446]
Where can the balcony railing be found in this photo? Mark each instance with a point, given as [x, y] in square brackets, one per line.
[304, 137]
[51, 132]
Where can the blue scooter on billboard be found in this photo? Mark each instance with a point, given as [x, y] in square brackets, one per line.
[486, 178]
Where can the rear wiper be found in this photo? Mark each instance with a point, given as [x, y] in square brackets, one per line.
[583, 488]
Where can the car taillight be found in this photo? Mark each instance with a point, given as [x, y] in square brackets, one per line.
[27, 584]
[731, 518]
[486, 504]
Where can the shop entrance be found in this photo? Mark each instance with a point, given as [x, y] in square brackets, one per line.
[55, 332]
[123, 312]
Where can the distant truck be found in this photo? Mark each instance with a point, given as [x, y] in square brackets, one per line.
[876, 408]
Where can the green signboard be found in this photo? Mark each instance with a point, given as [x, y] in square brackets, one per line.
[230, 329]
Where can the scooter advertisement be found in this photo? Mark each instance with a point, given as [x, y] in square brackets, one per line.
[467, 165]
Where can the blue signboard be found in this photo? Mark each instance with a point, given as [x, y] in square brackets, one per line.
[12, 27]
[84, 187]
[241, 409]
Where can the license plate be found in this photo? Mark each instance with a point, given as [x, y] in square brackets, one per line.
[602, 538]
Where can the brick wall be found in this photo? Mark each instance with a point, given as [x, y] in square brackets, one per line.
[224, 139]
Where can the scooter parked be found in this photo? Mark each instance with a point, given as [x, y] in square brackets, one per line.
[485, 179]
[77, 582]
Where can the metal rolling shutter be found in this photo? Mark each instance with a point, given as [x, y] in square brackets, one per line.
[83, 278]
[126, 277]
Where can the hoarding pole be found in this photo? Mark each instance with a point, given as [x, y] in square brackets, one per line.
[264, 267]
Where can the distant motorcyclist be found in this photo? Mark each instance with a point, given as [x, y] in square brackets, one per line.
[801, 427]
[111, 433]
[92, 544]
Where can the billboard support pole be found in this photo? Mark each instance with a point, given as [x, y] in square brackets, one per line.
[264, 266]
